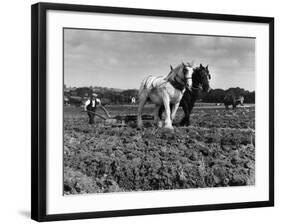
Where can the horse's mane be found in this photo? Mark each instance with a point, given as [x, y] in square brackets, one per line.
[196, 69]
[172, 73]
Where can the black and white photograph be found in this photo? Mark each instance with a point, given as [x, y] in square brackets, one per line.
[148, 111]
[139, 111]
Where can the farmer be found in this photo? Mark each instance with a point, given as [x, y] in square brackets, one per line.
[91, 105]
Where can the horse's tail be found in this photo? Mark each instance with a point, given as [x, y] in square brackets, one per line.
[144, 85]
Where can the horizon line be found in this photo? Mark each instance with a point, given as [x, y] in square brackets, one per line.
[138, 88]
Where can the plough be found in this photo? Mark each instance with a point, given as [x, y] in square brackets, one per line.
[120, 120]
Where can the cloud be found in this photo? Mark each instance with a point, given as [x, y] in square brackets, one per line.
[132, 55]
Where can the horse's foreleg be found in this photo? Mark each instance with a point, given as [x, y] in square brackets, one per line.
[166, 101]
[160, 112]
[185, 120]
[157, 116]
[174, 110]
[142, 101]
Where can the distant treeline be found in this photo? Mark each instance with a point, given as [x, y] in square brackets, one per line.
[217, 95]
[107, 95]
[117, 96]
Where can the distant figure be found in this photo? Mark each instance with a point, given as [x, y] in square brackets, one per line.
[133, 100]
[232, 100]
[91, 105]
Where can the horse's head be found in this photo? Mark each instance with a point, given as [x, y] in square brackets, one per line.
[182, 73]
[201, 77]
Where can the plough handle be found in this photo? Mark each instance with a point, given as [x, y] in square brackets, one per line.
[88, 111]
[105, 111]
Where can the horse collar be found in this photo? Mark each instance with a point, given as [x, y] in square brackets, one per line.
[177, 85]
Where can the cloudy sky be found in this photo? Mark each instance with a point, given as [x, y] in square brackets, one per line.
[123, 59]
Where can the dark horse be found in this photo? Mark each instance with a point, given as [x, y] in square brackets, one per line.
[200, 79]
[232, 100]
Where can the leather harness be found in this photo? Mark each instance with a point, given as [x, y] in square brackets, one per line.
[177, 85]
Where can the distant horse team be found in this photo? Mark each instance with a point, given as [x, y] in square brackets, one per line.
[232, 100]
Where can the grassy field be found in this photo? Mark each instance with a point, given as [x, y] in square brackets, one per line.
[217, 150]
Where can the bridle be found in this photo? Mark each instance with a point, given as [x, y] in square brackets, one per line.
[183, 80]
[199, 86]
[179, 82]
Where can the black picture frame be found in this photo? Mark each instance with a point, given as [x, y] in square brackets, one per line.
[38, 109]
